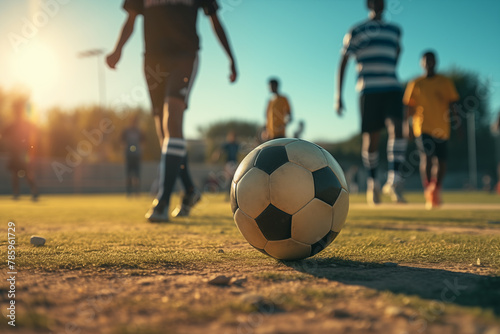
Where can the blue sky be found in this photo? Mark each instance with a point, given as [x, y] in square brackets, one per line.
[296, 40]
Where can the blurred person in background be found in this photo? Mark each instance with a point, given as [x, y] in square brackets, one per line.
[278, 113]
[133, 139]
[20, 139]
[375, 44]
[430, 99]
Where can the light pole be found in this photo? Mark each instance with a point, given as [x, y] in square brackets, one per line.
[100, 72]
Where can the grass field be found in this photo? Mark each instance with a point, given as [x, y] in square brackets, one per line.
[393, 269]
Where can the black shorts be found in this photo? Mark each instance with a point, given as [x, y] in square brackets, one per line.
[169, 76]
[377, 107]
[432, 146]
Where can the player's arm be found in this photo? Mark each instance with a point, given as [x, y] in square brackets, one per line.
[339, 103]
[127, 30]
[221, 35]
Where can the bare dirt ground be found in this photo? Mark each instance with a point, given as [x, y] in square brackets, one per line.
[332, 298]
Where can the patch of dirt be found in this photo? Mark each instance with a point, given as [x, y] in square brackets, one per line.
[297, 297]
[437, 229]
[421, 206]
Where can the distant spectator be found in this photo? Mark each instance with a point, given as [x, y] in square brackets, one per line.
[300, 129]
[229, 149]
[133, 139]
[21, 142]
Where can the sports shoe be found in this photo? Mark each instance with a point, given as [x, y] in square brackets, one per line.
[188, 201]
[158, 213]
[395, 191]
[372, 192]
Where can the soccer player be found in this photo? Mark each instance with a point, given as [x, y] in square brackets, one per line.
[133, 139]
[278, 113]
[20, 137]
[375, 44]
[170, 65]
[429, 99]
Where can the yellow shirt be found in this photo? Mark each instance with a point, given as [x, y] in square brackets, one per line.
[431, 98]
[278, 112]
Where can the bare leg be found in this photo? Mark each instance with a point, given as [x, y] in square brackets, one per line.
[425, 169]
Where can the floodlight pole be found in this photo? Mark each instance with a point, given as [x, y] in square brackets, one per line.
[471, 134]
[101, 80]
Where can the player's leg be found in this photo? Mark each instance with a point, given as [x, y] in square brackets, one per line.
[173, 152]
[426, 147]
[396, 146]
[370, 158]
[372, 122]
[182, 71]
[440, 158]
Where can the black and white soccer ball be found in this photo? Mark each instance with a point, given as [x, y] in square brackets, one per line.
[289, 198]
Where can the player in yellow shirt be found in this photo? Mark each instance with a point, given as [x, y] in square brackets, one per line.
[278, 113]
[429, 99]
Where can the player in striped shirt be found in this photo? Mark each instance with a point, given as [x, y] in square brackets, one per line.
[375, 44]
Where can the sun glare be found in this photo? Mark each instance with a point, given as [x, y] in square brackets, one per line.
[35, 66]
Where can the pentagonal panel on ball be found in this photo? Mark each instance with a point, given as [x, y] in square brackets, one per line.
[250, 230]
[326, 185]
[245, 165]
[312, 222]
[252, 192]
[292, 187]
[306, 154]
[340, 211]
[274, 223]
[271, 158]
[287, 249]
[335, 166]
[323, 243]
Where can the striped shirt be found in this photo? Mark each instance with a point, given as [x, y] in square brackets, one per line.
[375, 46]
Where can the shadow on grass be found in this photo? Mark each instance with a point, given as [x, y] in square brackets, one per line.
[433, 284]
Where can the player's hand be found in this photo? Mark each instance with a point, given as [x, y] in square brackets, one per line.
[113, 58]
[234, 73]
[339, 106]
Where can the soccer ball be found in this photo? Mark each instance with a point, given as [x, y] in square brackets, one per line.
[289, 198]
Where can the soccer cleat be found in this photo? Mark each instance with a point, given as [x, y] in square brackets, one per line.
[372, 192]
[395, 191]
[158, 213]
[188, 201]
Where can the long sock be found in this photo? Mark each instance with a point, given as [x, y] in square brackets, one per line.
[370, 162]
[172, 156]
[186, 179]
[396, 151]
